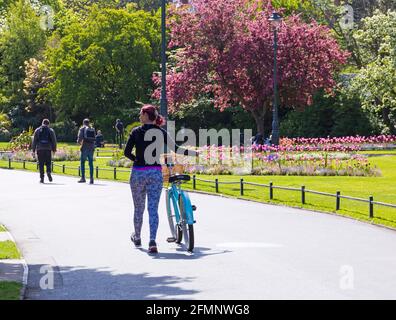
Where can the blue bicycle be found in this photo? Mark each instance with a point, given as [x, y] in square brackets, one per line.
[180, 211]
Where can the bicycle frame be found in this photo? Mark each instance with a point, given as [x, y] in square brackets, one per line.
[174, 192]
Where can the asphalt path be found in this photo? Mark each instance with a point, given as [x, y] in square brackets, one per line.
[75, 239]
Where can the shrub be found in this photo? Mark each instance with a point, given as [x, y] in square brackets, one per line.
[65, 131]
[23, 141]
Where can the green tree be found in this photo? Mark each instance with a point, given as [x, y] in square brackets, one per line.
[21, 39]
[37, 77]
[341, 19]
[102, 65]
[375, 84]
[330, 115]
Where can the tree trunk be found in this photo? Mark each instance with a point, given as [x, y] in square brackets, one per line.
[259, 117]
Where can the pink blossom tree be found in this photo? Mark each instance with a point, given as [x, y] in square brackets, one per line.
[225, 47]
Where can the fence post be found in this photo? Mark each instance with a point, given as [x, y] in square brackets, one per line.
[37, 165]
[97, 172]
[271, 190]
[217, 185]
[115, 173]
[9, 163]
[194, 182]
[24, 164]
[52, 166]
[338, 200]
[371, 207]
[241, 187]
[63, 168]
[303, 194]
[79, 171]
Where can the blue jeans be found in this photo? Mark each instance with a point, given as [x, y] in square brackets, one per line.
[84, 156]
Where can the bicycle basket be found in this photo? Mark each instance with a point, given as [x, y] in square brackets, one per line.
[176, 167]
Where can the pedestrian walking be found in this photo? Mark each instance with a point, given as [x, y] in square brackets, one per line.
[44, 143]
[146, 176]
[119, 126]
[86, 138]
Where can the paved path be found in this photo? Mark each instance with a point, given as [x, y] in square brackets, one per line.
[244, 250]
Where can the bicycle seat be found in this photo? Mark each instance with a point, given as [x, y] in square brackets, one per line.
[179, 177]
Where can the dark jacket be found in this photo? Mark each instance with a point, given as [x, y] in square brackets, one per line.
[99, 140]
[36, 145]
[136, 139]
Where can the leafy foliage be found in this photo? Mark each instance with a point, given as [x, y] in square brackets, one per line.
[102, 65]
[23, 141]
[336, 116]
[376, 82]
[228, 51]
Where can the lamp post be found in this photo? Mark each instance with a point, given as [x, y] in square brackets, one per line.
[164, 100]
[275, 20]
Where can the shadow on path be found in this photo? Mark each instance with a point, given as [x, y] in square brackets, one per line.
[182, 253]
[70, 283]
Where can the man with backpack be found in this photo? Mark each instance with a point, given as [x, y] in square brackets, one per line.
[86, 138]
[44, 143]
[119, 126]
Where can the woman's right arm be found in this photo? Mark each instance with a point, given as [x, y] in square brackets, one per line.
[129, 147]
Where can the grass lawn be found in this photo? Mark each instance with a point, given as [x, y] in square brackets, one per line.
[10, 290]
[8, 250]
[3, 145]
[378, 152]
[383, 188]
[2, 229]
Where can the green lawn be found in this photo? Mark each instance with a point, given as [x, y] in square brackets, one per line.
[10, 290]
[383, 188]
[72, 145]
[2, 229]
[378, 152]
[3, 145]
[8, 250]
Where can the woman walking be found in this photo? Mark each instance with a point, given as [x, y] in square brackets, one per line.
[146, 176]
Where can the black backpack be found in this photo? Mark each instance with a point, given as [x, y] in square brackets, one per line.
[89, 134]
[44, 135]
[120, 126]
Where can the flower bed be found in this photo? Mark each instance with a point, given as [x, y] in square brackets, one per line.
[63, 154]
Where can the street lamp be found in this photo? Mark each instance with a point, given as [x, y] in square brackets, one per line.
[275, 20]
[164, 101]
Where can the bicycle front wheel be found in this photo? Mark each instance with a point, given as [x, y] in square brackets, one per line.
[187, 229]
[175, 228]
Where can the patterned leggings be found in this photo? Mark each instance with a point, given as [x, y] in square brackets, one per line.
[146, 182]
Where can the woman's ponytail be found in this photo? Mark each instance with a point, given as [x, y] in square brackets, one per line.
[153, 114]
[160, 121]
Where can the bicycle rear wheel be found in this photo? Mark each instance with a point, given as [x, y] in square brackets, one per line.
[187, 229]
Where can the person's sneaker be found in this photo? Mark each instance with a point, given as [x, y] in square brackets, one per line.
[49, 177]
[137, 242]
[152, 247]
[82, 180]
[91, 181]
[41, 180]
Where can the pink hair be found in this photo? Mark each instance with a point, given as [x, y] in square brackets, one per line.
[153, 114]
